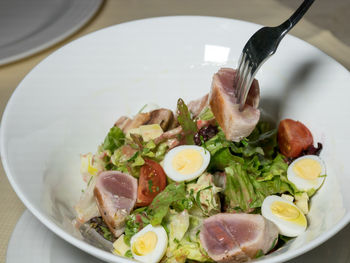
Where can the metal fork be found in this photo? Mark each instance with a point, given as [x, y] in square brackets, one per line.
[259, 48]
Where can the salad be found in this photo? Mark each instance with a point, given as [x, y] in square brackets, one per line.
[206, 183]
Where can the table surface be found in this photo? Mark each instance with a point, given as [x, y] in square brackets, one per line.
[325, 26]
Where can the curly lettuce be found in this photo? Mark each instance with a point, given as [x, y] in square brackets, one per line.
[184, 244]
[174, 195]
[205, 196]
[244, 192]
[253, 167]
[177, 225]
[129, 156]
[114, 139]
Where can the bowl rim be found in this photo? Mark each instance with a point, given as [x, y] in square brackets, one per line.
[92, 250]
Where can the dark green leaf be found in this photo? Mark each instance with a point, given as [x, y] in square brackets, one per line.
[188, 125]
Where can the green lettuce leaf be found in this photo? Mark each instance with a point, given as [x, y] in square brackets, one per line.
[265, 137]
[206, 114]
[254, 168]
[204, 195]
[188, 125]
[245, 192]
[224, 158]
[114, 139]
[217, 143]
[173, 195]
[239, 190]
[177, 224]
[188, 248]
[160, 151]
[277, 167]
[131, 156]
[137, 220]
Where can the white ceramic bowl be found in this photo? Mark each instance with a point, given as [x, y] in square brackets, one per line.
[67, 103]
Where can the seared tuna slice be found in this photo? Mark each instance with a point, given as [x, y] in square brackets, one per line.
[115, 194]
[237, 237]
[236, 124]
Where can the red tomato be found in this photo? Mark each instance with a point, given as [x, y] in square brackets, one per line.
[151, 182]
[293, 138]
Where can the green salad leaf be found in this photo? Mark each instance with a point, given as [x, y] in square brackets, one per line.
[188, 125]
[224, 158]
[184, 245]
[217, 143]
[254, 169]
[239, 190]
[137, 220]
[204, 195]
[188, 250]
[206, 114]
[262, 140]
[177, 224]
[265, 137]
[277, 167]
[130, 156]
[245, 192]
[114, 139]
[174, 195]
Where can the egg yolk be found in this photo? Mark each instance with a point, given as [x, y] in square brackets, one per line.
[307, 169]
[288, 212]
[187, 161]
[145, 243]
[87, 165]
[91, 170]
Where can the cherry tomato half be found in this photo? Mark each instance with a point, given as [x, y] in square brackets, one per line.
[293, 138]
[152, 181]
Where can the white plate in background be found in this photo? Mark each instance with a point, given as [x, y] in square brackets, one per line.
[29, 26]
[33, 242]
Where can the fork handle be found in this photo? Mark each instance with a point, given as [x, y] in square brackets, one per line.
[297, 15]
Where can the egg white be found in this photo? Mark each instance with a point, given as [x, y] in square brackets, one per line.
[175, 175]
[285, 227]
[162, 243]
[304, 184]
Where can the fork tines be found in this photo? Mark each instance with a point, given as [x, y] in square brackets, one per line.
[243, 79]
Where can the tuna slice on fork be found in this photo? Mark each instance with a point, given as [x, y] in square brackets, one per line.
[115, 195]
[236, 124]
[237, 237]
